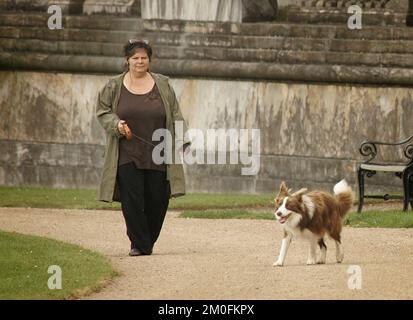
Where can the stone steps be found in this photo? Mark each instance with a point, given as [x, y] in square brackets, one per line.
[286, 56]
[108, 23]
[62, 63]
[319, 16]
[282, 30]
[66, 34]
[219, 41]
[274, 29]
[282, 43]
[106, 49]
[314, 73]
[271, 51]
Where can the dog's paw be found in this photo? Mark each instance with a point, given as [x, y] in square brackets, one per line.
[311, 261]
[321, 261]
[277, 264]
[340, 257]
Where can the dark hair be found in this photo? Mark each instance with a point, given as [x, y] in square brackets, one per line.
[131, 46]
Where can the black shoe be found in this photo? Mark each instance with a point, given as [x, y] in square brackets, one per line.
[135, 252]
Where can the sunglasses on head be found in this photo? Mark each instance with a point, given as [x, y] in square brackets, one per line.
[133, 41]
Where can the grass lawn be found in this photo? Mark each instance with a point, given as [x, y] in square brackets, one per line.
[367, 219]
[33, 197]
[227, 214]
[195, 205]
[380, 219]
[86, 199]
[24, 267]
[202, 201]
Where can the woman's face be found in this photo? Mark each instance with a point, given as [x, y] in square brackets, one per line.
[139, 62]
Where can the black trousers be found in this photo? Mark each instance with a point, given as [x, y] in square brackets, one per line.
[144, 197]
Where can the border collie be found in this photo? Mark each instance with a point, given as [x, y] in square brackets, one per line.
[312, 216]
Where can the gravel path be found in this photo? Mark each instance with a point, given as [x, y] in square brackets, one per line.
[227, 259]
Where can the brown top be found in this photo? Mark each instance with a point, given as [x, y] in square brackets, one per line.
[144, 113]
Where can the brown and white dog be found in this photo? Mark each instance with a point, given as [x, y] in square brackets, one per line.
[313, 216]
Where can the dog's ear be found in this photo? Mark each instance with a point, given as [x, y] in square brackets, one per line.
[283, 190]
[298, 194]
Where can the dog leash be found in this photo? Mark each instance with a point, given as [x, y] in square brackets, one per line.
[129, 135]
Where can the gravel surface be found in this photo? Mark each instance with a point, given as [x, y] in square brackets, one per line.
[227, 259]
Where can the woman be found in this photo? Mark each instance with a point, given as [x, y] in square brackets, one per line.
[146, 102]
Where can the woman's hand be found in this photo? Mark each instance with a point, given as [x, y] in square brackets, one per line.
[121, 129]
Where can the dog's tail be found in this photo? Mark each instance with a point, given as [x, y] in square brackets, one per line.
[345, 197]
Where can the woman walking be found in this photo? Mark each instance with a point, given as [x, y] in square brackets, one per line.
[145, 102]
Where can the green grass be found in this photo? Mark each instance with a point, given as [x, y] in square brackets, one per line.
[367, 219]
[380, 219]
[228, 214]
[197, 205]
[200, 201]
[86, 199]
[24, 267]
[33, 197]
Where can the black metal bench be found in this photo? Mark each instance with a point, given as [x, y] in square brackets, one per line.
[402, 170]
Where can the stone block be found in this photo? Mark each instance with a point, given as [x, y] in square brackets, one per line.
[409, 19]
[49, 164]
[67, 6]
[118, 7]
[398, 5]
[261, 10]
[290, 3]
[200, 10]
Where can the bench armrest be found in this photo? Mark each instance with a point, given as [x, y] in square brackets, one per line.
[369, 148]
[408, 151]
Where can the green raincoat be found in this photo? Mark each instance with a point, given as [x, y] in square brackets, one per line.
[107, 103]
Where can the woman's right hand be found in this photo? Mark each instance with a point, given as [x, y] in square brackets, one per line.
[121, 129]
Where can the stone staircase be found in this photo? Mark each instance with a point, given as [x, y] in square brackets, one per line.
[268, 51]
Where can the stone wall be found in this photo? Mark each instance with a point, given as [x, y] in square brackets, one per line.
[310, 133]
[315, 92]
[49, 136]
